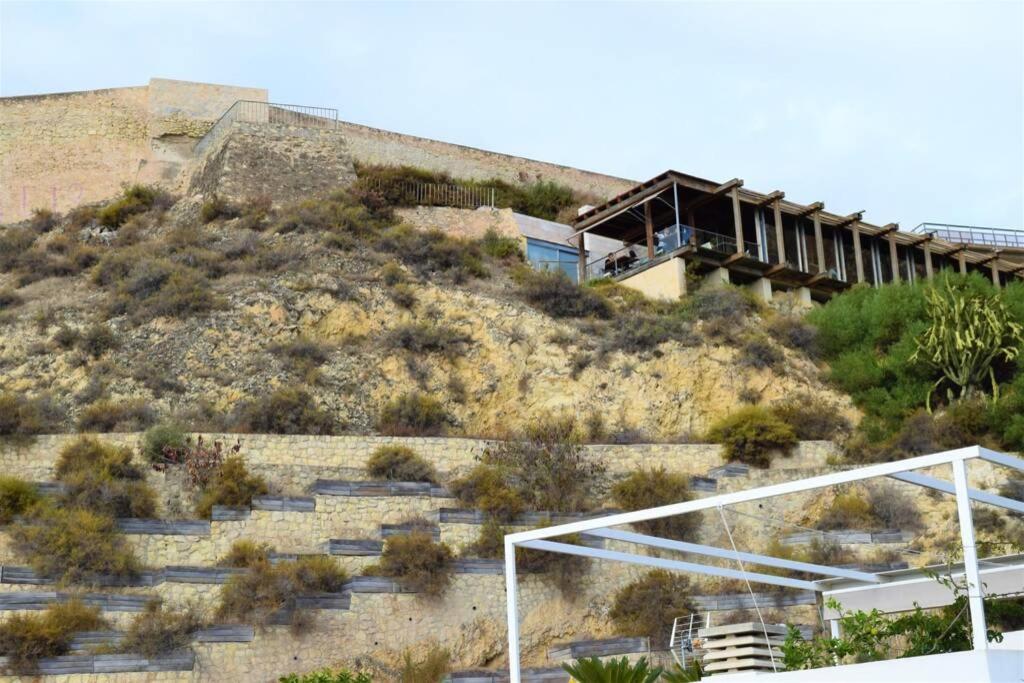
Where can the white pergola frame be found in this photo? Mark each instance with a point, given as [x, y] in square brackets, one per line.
[902, 470]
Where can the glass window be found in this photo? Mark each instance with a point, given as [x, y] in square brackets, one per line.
[551, 256]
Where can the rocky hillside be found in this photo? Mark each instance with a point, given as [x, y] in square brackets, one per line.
[114, 317]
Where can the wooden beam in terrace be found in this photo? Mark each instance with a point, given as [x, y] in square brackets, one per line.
[858, 255]
[775, 196]
[926, 246]
[737, 218]
[649, 227]
[894, 258]
[819, 243]
[810, 208]
[714, 194]
[780, 243]
[852, 218]
[581, 266]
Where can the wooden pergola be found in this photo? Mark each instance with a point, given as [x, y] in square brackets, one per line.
[754, 235]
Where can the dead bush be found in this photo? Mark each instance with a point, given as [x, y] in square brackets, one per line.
[649, 605]
[417, 563]
[413, 414]
[105, 415]
[399, 463]
[422, 338]
[23, 416]
[268, 590]
[158, 631]
[27, 638]
[287, 410]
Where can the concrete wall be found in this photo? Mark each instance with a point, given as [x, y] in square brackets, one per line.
[665, 281]
[466, 223]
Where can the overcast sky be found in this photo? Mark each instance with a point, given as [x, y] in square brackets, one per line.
[911, 111]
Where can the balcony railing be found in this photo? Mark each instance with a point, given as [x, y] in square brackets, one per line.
[970, 234]
[248, 111]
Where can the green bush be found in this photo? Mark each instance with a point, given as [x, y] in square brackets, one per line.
[595, 670]
[287, 410]
[652, 488]
[105, 415]
[16, 497]
[21, 416]
[135, 199]
[246, 553]
[648, 606]
[552, 292]
[231, 485]
[102, 478]
[399, 463]
[499, 246]
[27, 638]
[752, 435]
[268, 589]
[417, 563]
[157, 631]
[413, 414]
[72, 545]
[327, 676]
[161, 437]
[433, 252]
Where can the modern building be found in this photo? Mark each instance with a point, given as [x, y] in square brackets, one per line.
[675, 224]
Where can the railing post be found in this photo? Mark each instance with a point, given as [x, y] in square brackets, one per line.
[979, 629]
[512, 610]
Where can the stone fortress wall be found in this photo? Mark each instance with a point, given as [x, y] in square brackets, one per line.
[61, 150]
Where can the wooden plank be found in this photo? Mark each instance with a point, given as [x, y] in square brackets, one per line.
[737, 219]
[858, 256]
[894, 258]
[819, 243]
[649, 229]
[779, 241]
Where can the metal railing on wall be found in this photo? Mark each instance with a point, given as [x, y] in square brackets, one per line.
[406, 192]
[972, 234]
[271, 113]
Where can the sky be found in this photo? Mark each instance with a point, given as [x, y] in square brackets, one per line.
[911, 111]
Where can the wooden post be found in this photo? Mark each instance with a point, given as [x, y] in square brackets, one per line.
[928, 269]
[858, 257]
[779, 242]
[737, 219]
[962, 257]
[995, 274]
[649, 224]
[895, 258]
[819, 243]
[581, 266]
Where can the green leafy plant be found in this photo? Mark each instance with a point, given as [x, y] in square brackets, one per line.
[161, 437]
[399, 463]
[966, 334]
[594, 670]
[752, 435]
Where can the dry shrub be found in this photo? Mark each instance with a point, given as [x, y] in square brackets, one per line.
[849, 510]
[269, 589]
[246, 553]
[134, 199]
[813, 418]
[158, 631]
[760, 353]
[287, 410]
[423, 338]
[417, 563]
[552, 292]
[413, 414]
[103, 478]
[652, 488]
[795, 334]
[217, 207]
[430, 668]
[22, 416]
[200, 461]
[9, 299]
[43, 220]
[893, 506]
[73, 545]
[27, 638]
[648, 606]
[752, 435]
[107, 415]
[399, 463]
[16, 497]
[231, 485]
[485, 488]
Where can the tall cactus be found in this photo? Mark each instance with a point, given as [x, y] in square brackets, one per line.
[965, 336]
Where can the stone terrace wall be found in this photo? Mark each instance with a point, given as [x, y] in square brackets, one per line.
[277, 160]
[295, 462]
[375, 146]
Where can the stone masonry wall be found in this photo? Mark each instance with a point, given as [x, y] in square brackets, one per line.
[280, 161]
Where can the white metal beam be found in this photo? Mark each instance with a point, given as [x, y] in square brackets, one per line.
[711, 551]
[662, 563]
[979, 629]
[512, 610]
[947, 487]
[859, 474]
[1004, 459]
